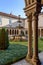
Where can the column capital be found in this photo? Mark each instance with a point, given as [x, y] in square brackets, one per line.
[35, 13]
[29, 17]
[35, 16]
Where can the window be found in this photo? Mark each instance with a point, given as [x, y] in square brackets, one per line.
[0, 21]
[10, 21]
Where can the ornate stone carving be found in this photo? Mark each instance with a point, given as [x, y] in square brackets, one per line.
[29, 55]
[34, 7]
[35, 59]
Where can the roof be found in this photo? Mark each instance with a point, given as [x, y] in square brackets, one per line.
[19, 27]
[10, 15]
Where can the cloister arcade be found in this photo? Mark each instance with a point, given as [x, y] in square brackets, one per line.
[32, 10]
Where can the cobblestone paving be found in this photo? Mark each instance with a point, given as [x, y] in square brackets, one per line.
[23, 62]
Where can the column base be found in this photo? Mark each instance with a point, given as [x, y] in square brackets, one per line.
[35, 61]
[28, 58]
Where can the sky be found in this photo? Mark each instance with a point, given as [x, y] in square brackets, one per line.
[12, 6]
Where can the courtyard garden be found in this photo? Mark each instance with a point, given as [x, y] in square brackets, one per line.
[16, 51]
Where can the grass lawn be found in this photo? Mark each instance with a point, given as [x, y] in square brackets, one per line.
[16, 51]
[12, 54]
[21, 43]
[40, 44]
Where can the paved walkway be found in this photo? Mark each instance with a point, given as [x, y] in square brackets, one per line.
[41, 58]
[23, 62]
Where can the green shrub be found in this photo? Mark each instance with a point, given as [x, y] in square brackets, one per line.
[41, 38]
[4, 42]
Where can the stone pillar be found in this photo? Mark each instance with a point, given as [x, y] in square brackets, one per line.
[19, 32]
[40, 33]
[35, 59]
[29, 55]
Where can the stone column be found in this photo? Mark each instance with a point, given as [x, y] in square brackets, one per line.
[29, 55]
[35, 59]
[19, 31]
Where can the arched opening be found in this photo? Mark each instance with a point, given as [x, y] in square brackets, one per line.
[10, 31]
[22, 33]
[15, 32]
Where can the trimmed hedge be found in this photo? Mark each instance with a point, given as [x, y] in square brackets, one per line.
[12, 54]
[41, 38]
[4, 42]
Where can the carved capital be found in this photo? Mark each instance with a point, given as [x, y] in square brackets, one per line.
[35, 13]
[35, 16]
[29, 17]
